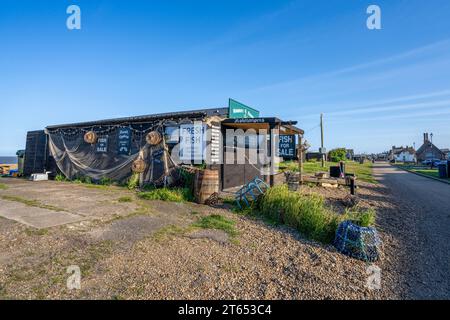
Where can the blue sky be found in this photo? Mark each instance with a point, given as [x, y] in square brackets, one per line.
[291, 59]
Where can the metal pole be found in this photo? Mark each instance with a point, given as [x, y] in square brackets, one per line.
[300, 159]
[321, 140]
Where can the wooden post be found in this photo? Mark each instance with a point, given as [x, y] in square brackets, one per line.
[300, 159]
[142, 154]
[321, 140]
[352, 185]
[166, 160]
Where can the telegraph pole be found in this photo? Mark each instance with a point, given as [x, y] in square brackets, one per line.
[321, 140]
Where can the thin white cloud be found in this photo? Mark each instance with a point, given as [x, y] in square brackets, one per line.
[418, 115]
[317, 77]
[381, 104]
[428, 104]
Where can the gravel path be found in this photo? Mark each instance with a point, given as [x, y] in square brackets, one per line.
[421, 226]
[142, 250]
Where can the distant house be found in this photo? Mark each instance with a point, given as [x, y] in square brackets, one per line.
[407, 154]
[401, 153]
[382, 156]
[312, 155]
[428, 151]
[393, 151]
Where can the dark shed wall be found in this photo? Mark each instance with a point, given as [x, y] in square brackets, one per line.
[35, 152]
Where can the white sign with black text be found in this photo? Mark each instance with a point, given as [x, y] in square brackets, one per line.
[192, 142]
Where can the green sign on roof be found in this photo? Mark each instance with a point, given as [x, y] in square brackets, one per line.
[240, 110]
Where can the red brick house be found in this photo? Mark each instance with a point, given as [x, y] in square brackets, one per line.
[428, 151]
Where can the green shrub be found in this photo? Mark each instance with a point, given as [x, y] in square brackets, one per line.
[306, 213]
[87, 180]
[60, 177]
[133, 182]
[363, 218]
[187, 178]
[218, 222]
[337, 155]
[104, 181]
[289, 166]
[125, 199]
[167, 194]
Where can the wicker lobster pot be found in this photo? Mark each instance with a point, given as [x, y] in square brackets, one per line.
[90, 137]
[138, 166]
[153, 138]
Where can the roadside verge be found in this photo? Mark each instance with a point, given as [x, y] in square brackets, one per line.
[421, 174]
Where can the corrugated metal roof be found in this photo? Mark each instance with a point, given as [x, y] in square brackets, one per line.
[141, 119]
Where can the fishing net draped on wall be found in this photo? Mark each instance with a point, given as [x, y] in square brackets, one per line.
[112, 155]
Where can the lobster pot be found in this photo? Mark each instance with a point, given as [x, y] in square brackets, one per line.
[358, 242]
[293, 181]
[206, 184]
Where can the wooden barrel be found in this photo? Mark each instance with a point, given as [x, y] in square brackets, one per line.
[206, 184]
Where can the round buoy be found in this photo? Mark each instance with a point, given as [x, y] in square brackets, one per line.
[90, 137]
[153, 138]
[138, 166]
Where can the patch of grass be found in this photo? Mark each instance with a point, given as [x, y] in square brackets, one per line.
[97, 186]
[105, 181]
[231, 201]
[3, 186]
[20, 274]
[85, 180]
[427, 172]
[36, 232]
[91, 255]
[306, 213]
[125, 199]
[60, 177]
[168, 232]
[167, 194]
[133, 182]
[87, 257]
[361, 217]
[362, 171]
[421, 169]
[143, 209]
[32, 203]
[217, 222]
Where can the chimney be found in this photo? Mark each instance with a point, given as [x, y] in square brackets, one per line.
[425, 137]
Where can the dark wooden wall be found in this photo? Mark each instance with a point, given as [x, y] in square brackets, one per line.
[36, 153]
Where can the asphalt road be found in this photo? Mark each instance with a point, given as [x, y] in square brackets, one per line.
[422, 222]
